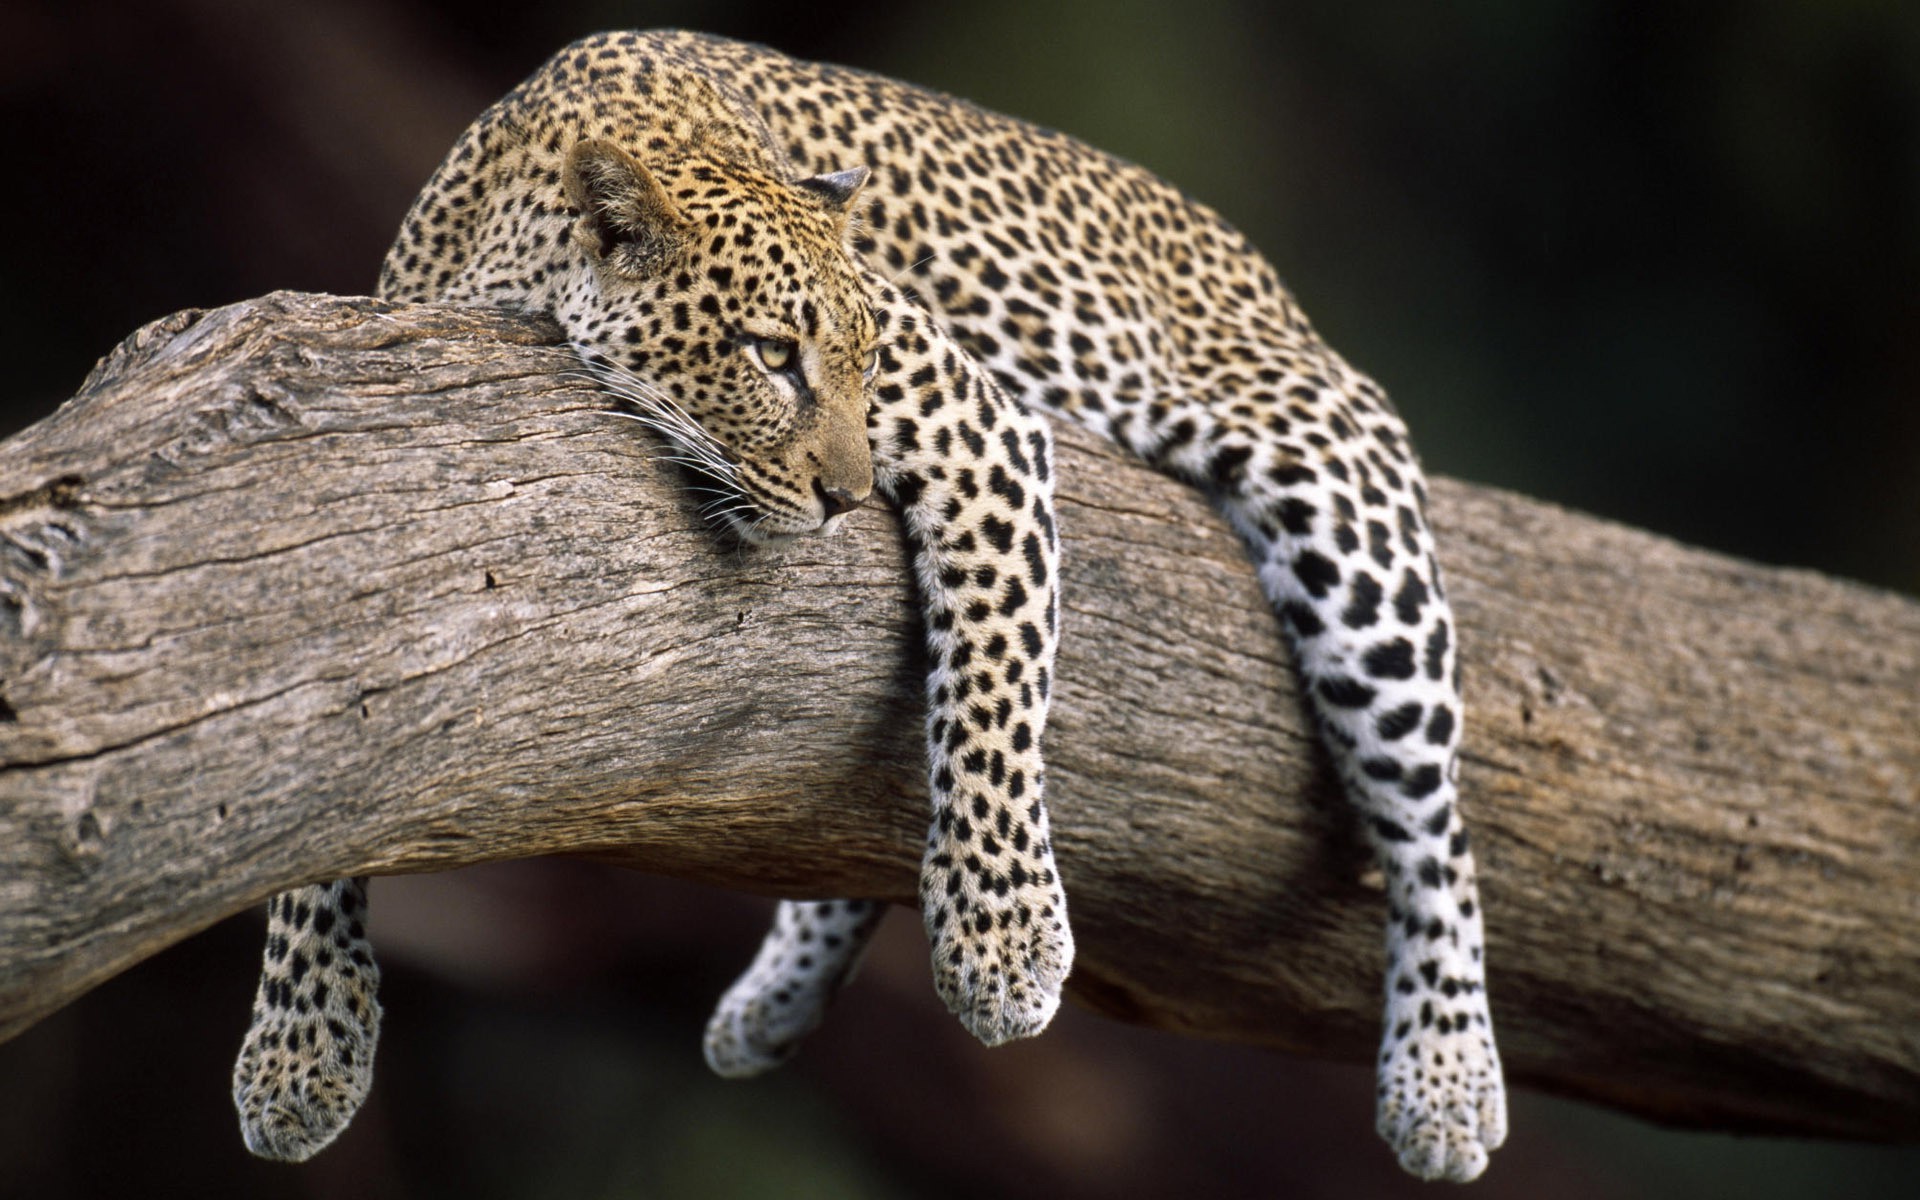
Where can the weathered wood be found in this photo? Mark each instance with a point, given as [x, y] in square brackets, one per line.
[311, 586]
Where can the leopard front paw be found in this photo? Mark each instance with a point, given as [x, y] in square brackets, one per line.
[301, 1076]
[1001, 951]
[306, 1063]
[1442, 1101]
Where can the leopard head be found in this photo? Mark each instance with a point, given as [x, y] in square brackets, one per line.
[725, 304]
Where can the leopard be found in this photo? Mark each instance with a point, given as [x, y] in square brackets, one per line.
[818, 286]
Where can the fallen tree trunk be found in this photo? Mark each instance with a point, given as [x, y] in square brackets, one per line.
[308, 587]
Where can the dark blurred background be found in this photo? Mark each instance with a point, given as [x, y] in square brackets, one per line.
[1655, 261]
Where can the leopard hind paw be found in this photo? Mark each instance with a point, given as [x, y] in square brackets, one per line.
[1442, 1103]
[811, 952]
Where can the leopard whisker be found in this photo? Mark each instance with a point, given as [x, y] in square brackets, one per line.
[720, 472]
[909, 269]
[668, 421]
[660, 412]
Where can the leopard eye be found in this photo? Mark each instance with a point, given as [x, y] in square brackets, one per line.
[775, 354]
[873, 365]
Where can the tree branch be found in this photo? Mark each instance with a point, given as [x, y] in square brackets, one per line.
[307, 587]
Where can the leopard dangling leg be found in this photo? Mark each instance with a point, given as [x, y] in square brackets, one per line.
[307, 1060]
[1319, 478]
[972, 475]
[812, 951]
[1359, 589]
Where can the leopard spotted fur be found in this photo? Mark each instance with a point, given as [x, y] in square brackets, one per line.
[819, 282]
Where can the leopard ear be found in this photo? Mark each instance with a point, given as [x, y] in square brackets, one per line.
[837, 190]
[627, 222]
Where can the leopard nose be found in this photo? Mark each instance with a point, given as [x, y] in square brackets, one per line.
[835, 500]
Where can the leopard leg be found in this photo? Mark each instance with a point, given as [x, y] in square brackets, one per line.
[813, 949]
[307, 1060]
[1319, 478]
[972, 476]
[971, 473]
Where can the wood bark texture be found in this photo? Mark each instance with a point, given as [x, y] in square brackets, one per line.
[309, 586]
